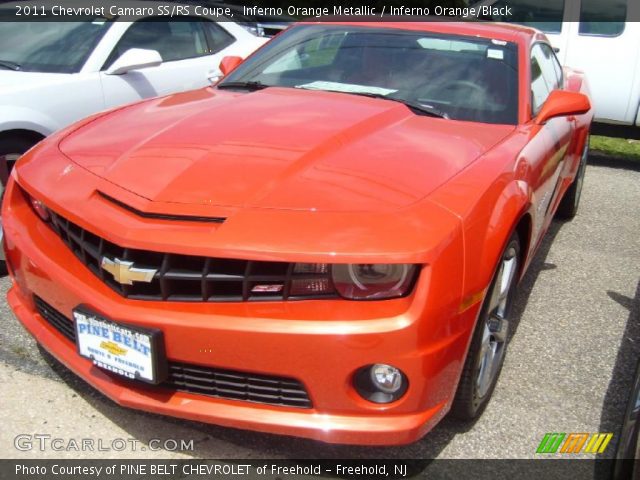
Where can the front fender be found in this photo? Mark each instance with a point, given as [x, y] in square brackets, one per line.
[489, 228]
[23, 118]
[513, 203]
[491, 198]
[490, 201]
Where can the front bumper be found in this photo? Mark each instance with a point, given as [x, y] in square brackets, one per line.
[322, 343]
[334, 428]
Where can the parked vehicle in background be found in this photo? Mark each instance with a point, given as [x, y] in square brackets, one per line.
[604, 43]
[54, 73]
[259, 25]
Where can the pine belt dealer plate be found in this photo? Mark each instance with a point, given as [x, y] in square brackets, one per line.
[132, 352]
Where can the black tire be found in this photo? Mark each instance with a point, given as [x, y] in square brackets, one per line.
[10, 148]
[474, 391]
[569, 204]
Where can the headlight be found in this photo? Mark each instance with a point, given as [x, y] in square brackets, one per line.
[368, 281]
[37, 206]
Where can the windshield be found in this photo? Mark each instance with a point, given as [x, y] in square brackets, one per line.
[465, 78]
[51, 47]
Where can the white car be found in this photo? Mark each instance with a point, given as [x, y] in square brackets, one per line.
[54, 73]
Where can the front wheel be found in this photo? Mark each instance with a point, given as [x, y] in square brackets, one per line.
[486, 353]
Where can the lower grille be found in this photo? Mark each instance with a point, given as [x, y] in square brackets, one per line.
[237, 385]
[56, 319]
[213, 382]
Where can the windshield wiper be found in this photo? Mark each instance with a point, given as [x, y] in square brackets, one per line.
[425, 108]
[252, 85]
[420, 107]
[9, 65]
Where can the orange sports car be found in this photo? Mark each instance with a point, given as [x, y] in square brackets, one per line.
[325, 244]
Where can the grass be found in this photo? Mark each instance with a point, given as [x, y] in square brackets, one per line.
[616, 147]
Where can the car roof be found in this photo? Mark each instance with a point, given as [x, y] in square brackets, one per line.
[490, 30]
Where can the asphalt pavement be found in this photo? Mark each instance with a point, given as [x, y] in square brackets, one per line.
[568, 368]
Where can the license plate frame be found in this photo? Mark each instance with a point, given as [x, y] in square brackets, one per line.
[119, 347]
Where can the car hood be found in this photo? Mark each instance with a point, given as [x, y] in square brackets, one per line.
[278, 148]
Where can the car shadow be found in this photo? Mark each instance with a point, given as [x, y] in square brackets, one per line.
[212, 441]
[622, 376]
[538, 264]
[139, 82]
[624, 163]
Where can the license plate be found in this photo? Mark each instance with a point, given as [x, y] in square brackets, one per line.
[131, 352]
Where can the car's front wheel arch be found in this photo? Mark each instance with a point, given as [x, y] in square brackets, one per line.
[521, 227]
[14, 143]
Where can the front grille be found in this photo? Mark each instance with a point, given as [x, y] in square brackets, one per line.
[213, 382]
[190, 278]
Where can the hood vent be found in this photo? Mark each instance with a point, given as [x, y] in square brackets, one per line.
[162, 216]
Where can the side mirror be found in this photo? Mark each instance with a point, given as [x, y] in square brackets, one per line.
[562, 103]
[228, 64]
[134, 59]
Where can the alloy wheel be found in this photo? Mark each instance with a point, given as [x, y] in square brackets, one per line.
[496, 327]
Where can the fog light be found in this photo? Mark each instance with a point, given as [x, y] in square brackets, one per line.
[381, 383]
[386, 378]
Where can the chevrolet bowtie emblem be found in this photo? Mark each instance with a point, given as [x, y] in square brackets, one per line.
[125, 273]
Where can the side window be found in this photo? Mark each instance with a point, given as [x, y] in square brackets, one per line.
[558, 69]
[545, 15]
[551, 69]
[217, 37]
[603, 18]
[176, 40]
[540, 88]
